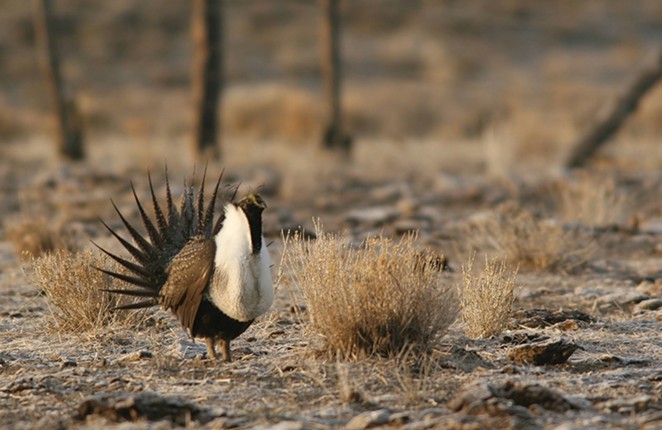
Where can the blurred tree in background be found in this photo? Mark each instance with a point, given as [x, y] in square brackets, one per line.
[207, 76]
[69, 129]
[334, 136]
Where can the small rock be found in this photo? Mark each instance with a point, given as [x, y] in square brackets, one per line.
[567, 325]
[399, 418]
[371, 216]
[68, 363]
[623, 361]
[284, 425]
[120, 407]
[482, 397]
[610, 358]
[537, 318]
[369, 419]
[467, 361]
[519, 338]
[648, 305]
[136, 356]
[471, 399]
[622, 299]
[509, 369]
[553, 351]
[579, 403]
[630, 405]
[431, 413]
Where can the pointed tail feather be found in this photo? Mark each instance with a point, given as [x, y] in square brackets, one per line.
[135, 252]
[173, 214]
[201, 203]
[142, 243]
[140, 282]
[153, 234]
[135, 268]
[138, 305]
[134, 293]
[187, 211]
[209, 215]
[160, 218]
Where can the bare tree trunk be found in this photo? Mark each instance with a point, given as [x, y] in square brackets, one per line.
[613, 118]
[334, 137]
[69, 127]
[207, 76]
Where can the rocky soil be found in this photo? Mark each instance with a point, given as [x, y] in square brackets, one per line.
[583, 348]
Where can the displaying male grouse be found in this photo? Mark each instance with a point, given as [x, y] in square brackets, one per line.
[215, 277]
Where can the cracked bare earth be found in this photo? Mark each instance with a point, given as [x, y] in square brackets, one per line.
[583, 348]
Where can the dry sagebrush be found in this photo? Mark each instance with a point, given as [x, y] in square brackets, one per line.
[375, 299]
[529, 242]
[593, 200]
[487, 298]
[34, 237]
[74, 290]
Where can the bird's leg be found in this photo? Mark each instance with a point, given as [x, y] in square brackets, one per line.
[211, 351]
[225, 349]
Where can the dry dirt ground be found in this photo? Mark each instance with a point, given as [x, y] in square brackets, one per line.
[607, 302]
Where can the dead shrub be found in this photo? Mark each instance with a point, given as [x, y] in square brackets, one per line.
[35, 237]
[487, 298]
[528, 241]
[74, 289]
[268, 111]
[373, 299]
[593, 200]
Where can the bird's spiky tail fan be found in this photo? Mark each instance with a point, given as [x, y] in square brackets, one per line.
[166, 236]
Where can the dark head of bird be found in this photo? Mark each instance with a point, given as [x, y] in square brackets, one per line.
[253, 205]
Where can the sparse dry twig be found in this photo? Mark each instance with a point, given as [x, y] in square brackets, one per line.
[595, 201]
[487, 298]
[35, 237]
[74, 288]
[374, 299]
[530, 242]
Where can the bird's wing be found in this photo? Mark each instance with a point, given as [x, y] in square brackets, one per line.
[188, 275]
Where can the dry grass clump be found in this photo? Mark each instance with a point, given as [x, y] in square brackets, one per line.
[528, 241]
[374, 299]
[487, 298]
[73, 286]
[263, 112]
[34, 237]
[592, 200]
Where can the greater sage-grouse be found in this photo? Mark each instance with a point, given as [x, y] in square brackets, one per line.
[214, 276]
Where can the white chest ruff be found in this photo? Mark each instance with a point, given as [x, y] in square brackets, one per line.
[242, 286]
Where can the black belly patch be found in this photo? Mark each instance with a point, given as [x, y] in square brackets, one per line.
[211, 322]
